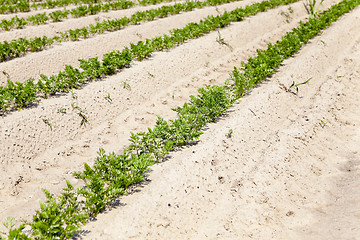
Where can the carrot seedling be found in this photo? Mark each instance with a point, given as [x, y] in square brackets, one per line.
[296, 85]
[151, 75]
[108, 98]
[46, 121]
[221, 40]
[84, 120]
[62, 110]
[322, 123]
[229, 133]
[126, 86]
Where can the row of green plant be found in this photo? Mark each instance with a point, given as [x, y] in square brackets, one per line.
[27, 6]
[18, 47]
[19, 6]
[19, 95]
[151, 2]
[62, 3]
[56, 16]
[14, 2]
[92, 9]
[60, 217]
[8, 2]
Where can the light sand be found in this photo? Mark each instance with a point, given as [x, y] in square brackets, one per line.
[280, 176]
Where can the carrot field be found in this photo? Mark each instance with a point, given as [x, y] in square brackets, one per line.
[153, 119]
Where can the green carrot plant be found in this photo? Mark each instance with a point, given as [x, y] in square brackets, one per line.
[13, 233]
[111, 174]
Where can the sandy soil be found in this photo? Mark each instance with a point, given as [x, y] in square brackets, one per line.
[281, 175]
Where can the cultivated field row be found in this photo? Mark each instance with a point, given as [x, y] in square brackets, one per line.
[45, 144]
[57, 57]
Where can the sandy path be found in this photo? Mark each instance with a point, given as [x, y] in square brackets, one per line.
[33, 157]
[280, 176]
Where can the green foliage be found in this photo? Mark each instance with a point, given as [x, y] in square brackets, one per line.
[14, 233]
[17, 95]
[116, 60]
[56, 16]
[151, 2]
[141, 50]
[207, 106]
[59, 217]
[38, 19]
[91, 69]
[109, 177]
[240, 85]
